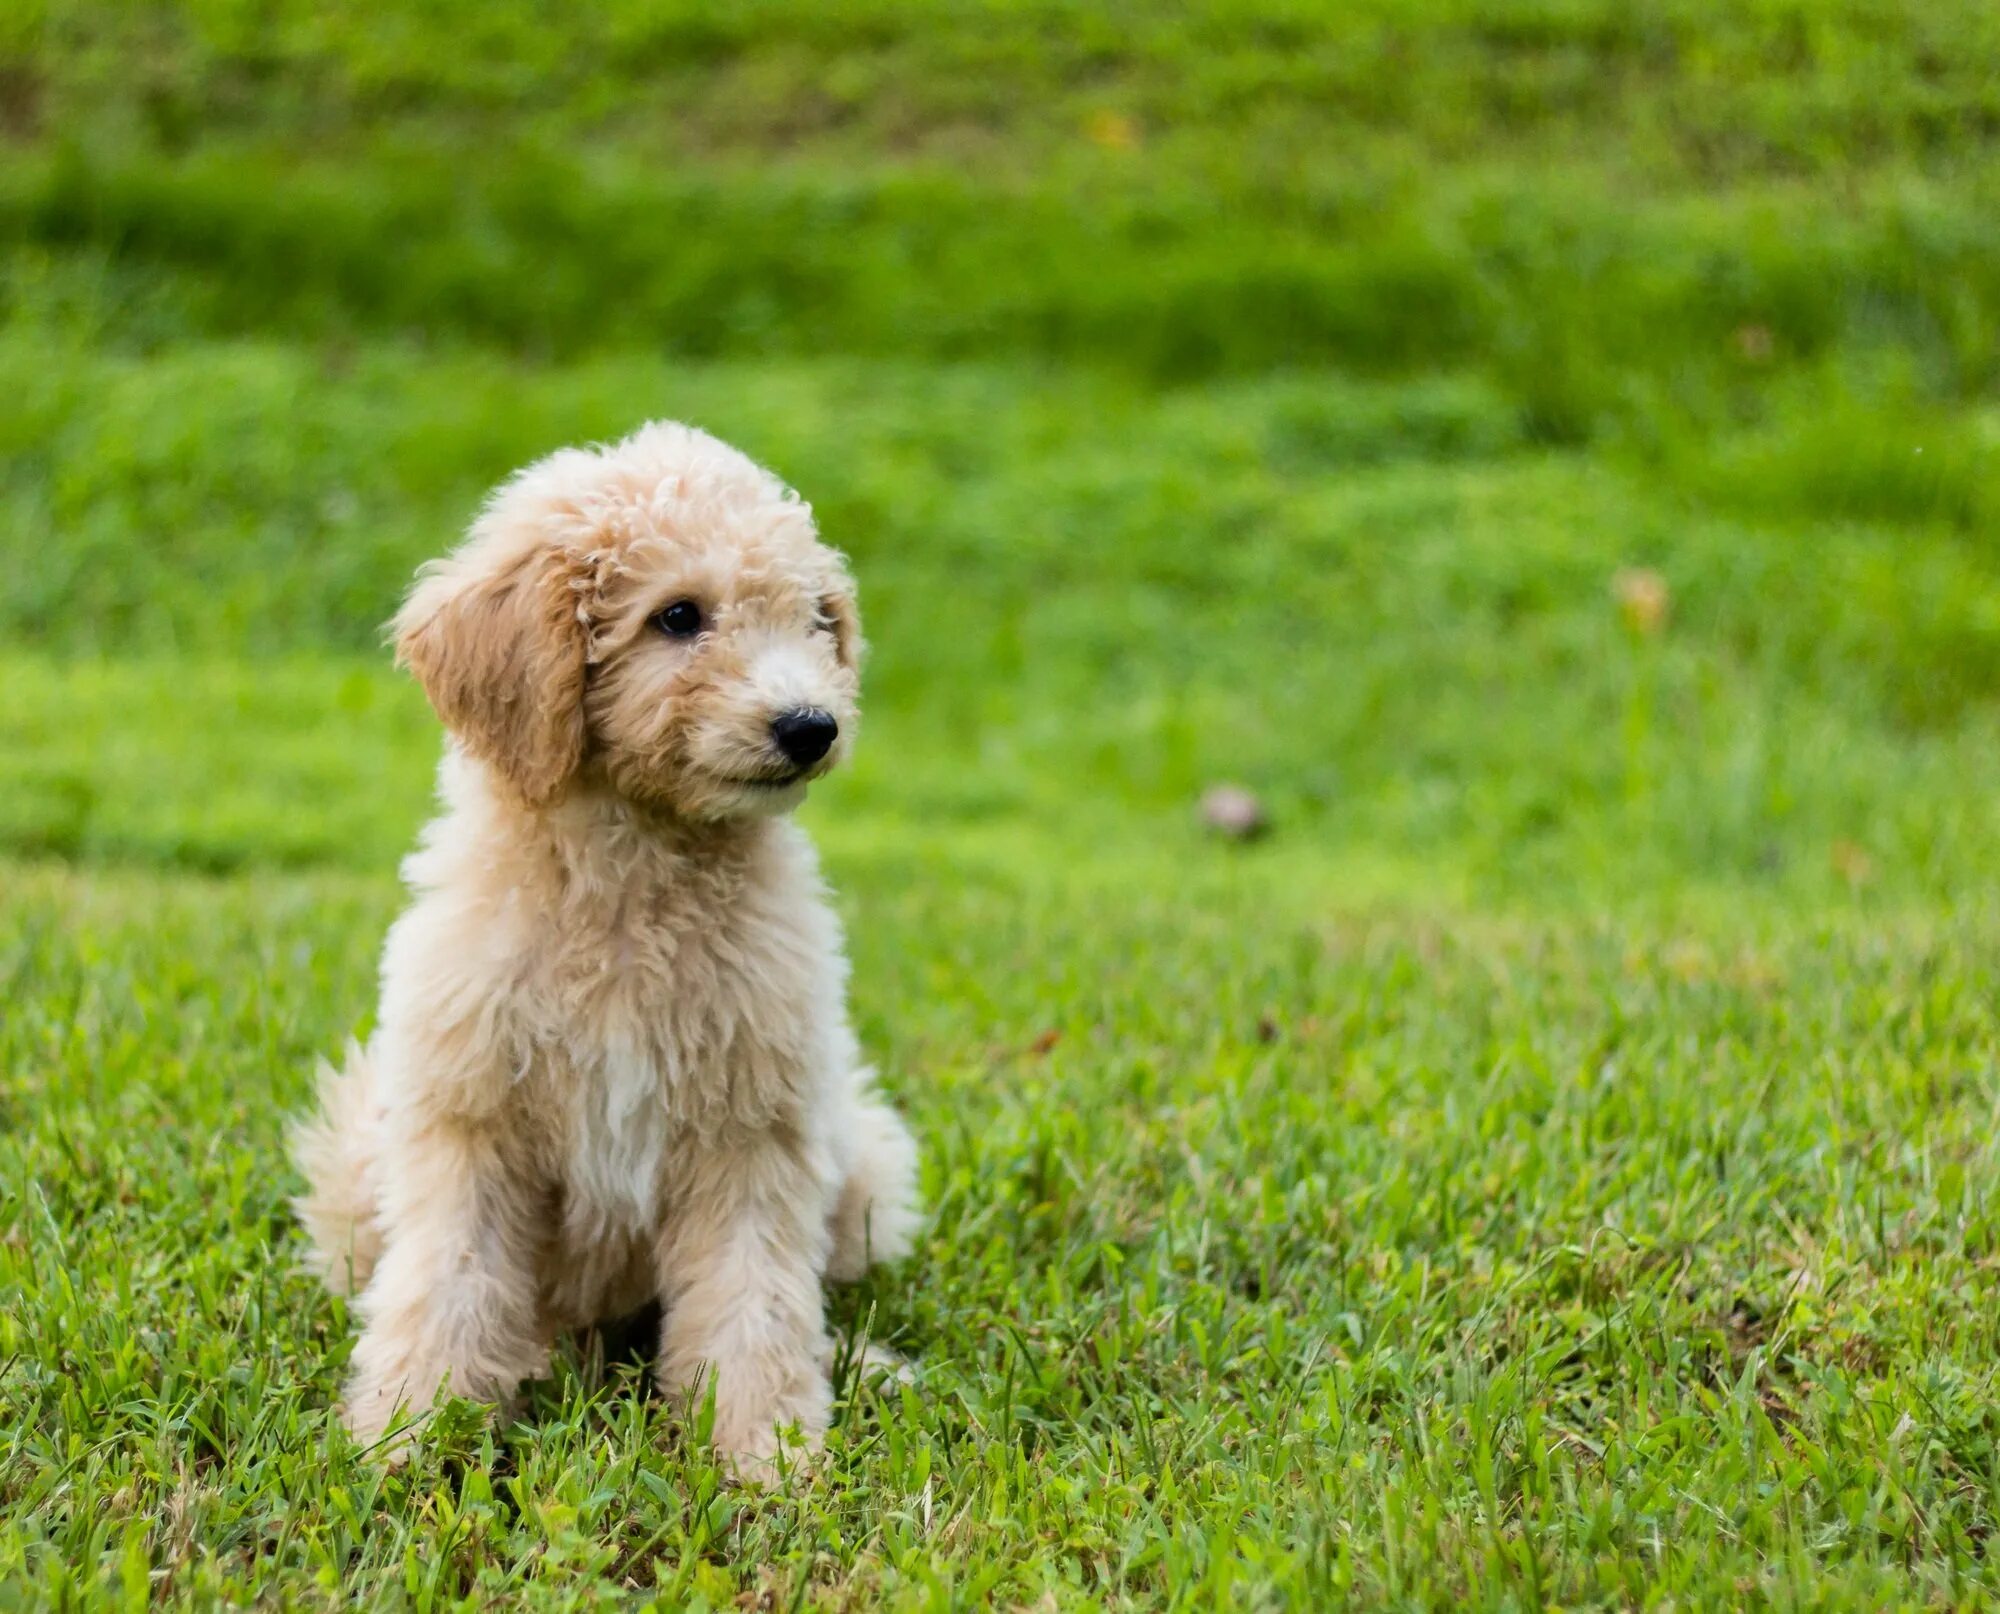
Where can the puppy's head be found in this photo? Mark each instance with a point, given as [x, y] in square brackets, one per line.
[658, 616]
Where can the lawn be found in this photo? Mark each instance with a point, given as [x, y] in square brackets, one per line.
[1549, 451]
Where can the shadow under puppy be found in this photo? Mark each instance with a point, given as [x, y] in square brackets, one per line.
[613, 1061]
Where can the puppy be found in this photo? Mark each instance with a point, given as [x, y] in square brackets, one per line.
[612, 1061]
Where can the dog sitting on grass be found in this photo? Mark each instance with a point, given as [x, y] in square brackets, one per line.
[613, 1061]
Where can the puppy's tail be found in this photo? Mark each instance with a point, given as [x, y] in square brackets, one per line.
[335, 1146]
[878, 1214]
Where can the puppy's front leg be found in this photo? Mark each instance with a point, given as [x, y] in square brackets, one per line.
[453, 1299]
[740, 1265]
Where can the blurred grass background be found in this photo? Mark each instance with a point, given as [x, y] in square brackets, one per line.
[1271, 393]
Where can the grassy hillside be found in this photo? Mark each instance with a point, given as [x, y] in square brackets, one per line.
[1613, 211]
[1377, 602]
[1549, 450]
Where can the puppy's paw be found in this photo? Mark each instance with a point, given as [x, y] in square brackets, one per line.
[763, 1442]
[758, 1471]
[876, 1365]
[767, 1461]
[381, 1426]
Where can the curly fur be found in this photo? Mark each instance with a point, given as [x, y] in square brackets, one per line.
[613, 1060]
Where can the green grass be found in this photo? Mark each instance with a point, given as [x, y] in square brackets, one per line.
[1282, 1251]
[1552, 1168]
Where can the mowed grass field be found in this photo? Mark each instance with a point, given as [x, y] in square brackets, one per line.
[1548, 450]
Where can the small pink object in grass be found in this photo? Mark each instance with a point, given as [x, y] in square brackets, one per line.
[1233, 811]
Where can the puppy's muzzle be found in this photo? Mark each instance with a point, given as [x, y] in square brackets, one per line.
[805, 734]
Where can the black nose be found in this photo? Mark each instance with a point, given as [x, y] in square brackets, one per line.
[805, 735]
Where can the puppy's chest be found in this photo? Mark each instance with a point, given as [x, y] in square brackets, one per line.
[663, 1026]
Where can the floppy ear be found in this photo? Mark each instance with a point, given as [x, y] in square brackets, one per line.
[497, 642]
[839, 608]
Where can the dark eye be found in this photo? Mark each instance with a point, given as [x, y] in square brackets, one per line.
[681, 620]
[824, 617]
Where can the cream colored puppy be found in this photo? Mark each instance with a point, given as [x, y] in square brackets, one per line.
[613, 1060]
